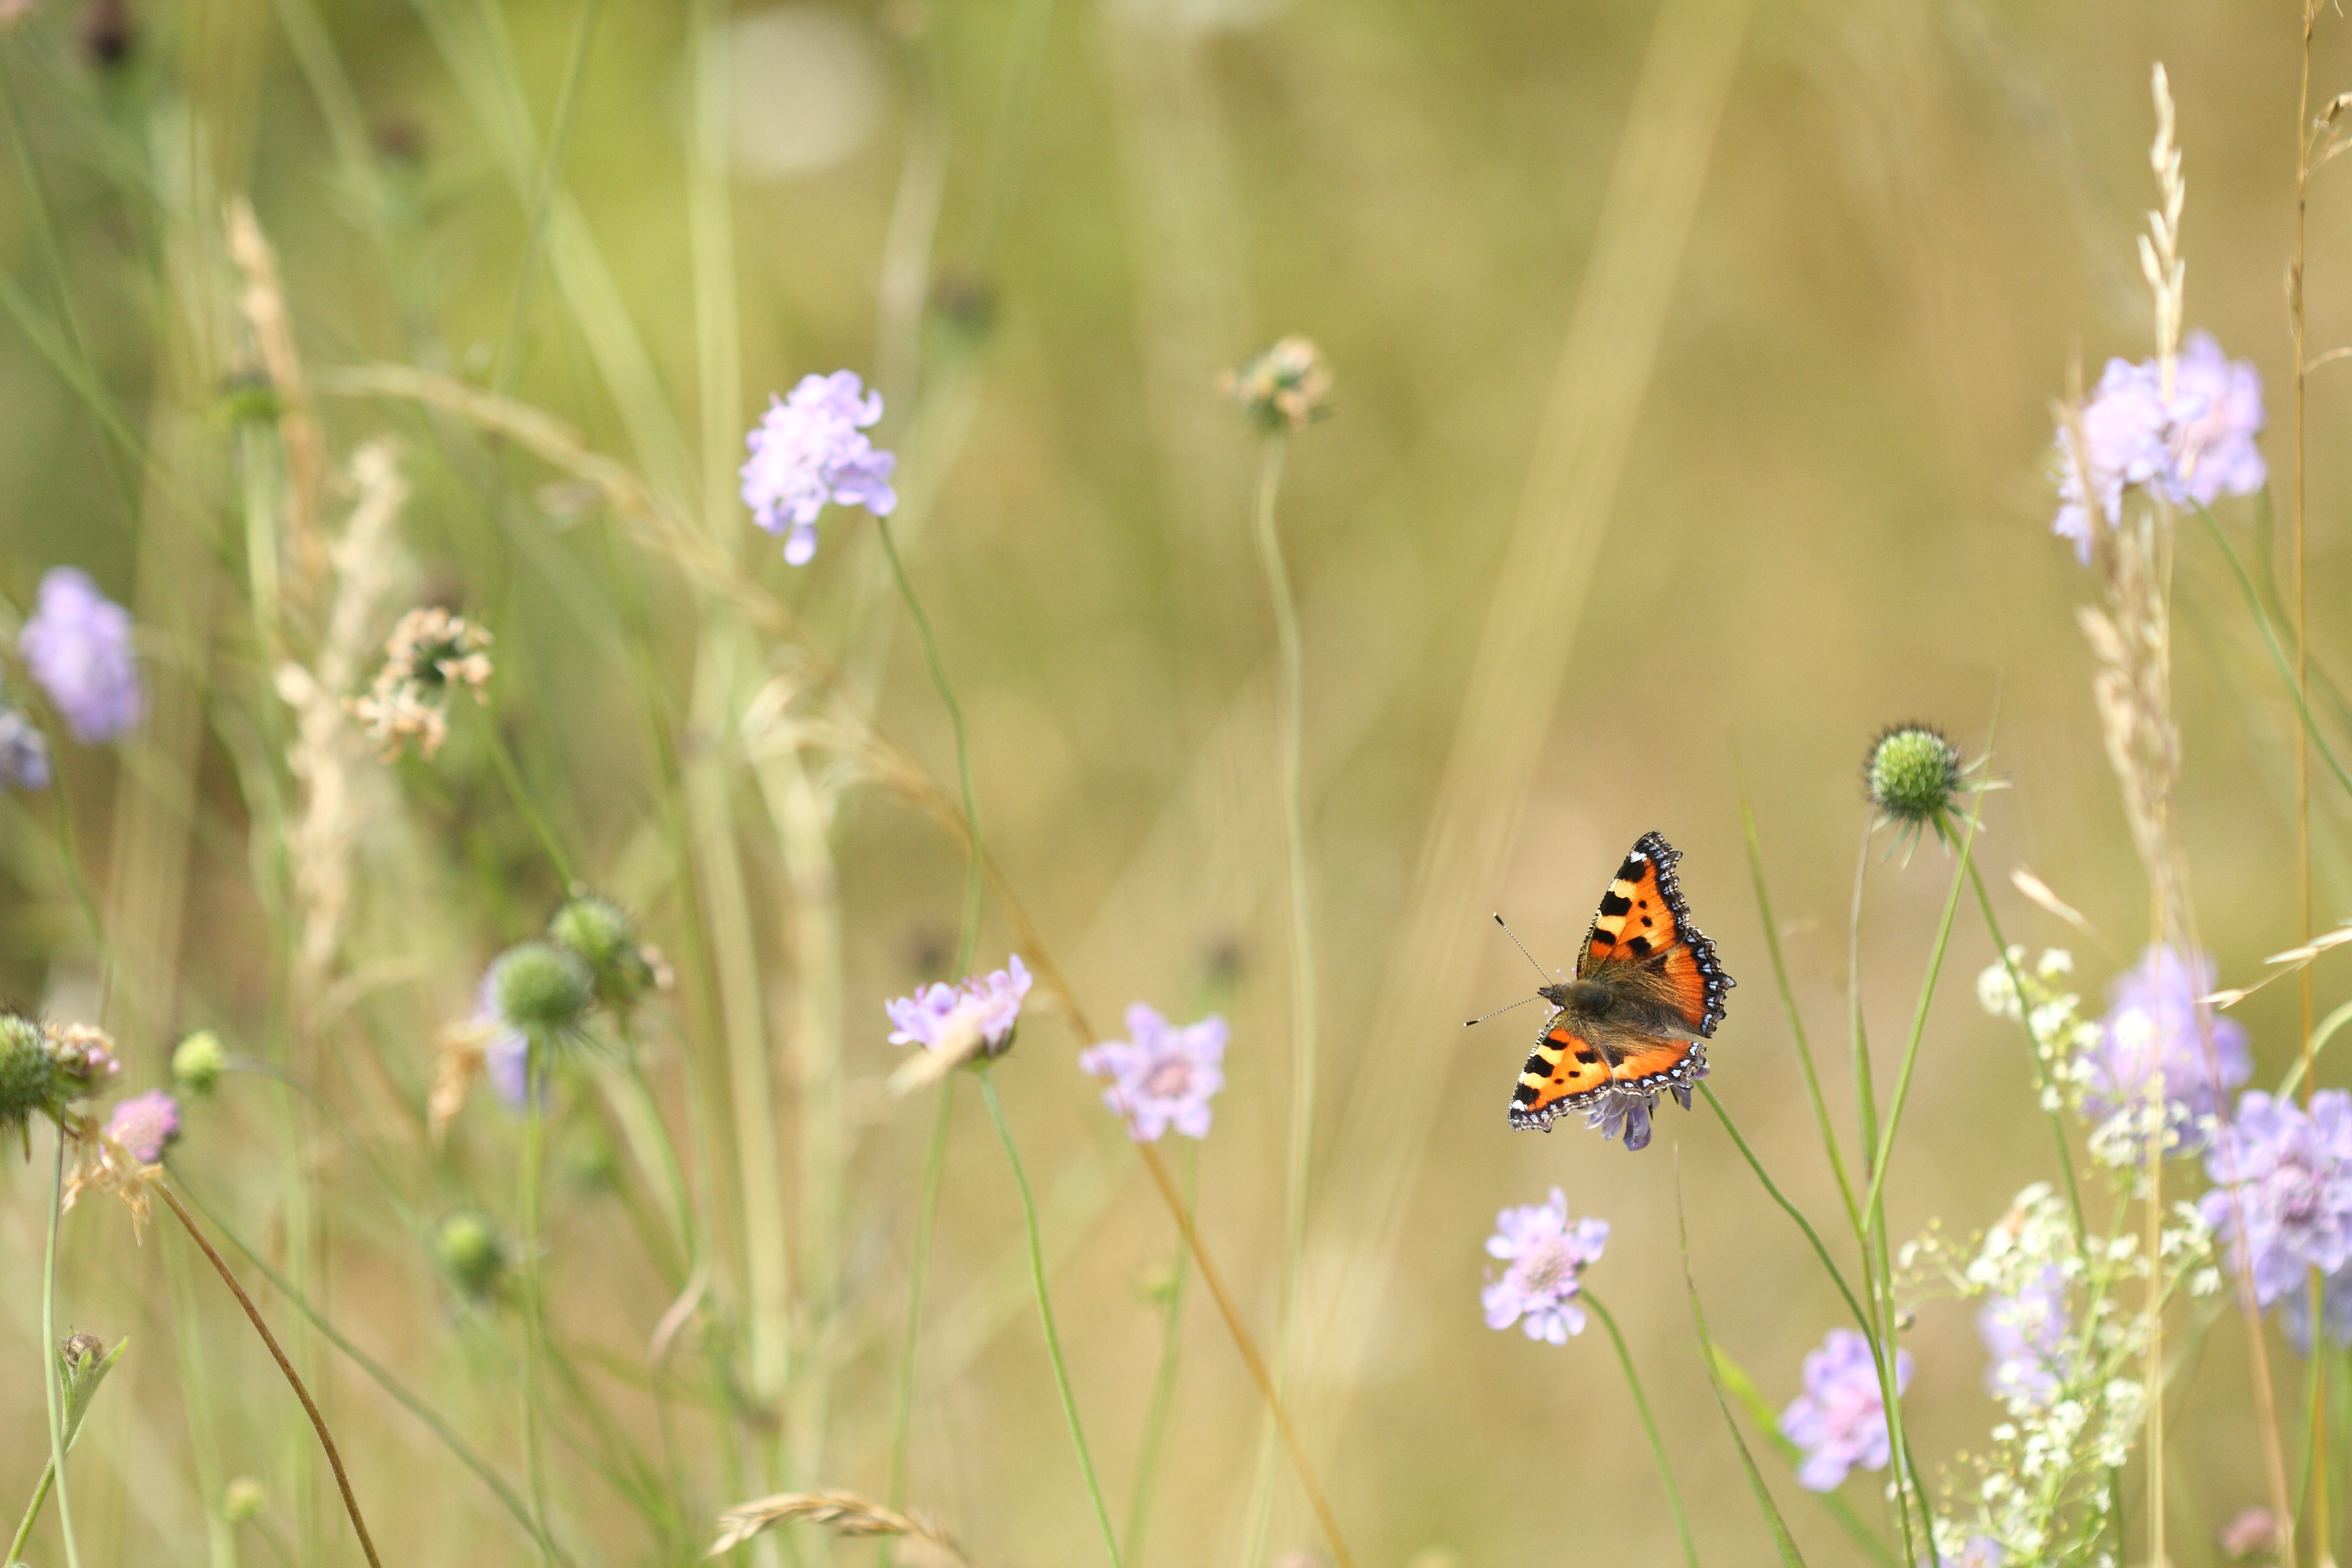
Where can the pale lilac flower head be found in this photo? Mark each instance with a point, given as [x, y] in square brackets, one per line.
[505, 1054]
[811, 449]
[23, 752]
[2123, 430]
[77, 646]
[955, 1024]
[2217, 410]
[2153, 1020]
[1840, 1420]
[145, 1125]
[2026, 1334]
[1163, 1077]
[2287, 1174]
[1546, 1253]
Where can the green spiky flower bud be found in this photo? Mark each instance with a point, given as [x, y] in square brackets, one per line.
[27, 1072]
[541, 991]
[602, 932]
[242, 1499]
[198, 1062]
[1915, 775]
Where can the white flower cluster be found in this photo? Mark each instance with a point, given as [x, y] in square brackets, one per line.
[2064, 1316]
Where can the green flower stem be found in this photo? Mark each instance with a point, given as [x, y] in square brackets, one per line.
[1163, 1383]
[2034, 1039]
[1045, 1312]
[977, 856]
[918, 1270]
[53, 1374]
[1782, 1541]
[203, 1431]
[534, 1302]
[1837, 1276]
[1304, 989]
[1648, 1425]
[510, 776]
[2277, 653]
[294, 1379]
[1789, 1004]
[450, 1438]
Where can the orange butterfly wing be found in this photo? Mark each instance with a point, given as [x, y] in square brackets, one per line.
[1661, 1064]
[1564, 1073]
[1643, 921]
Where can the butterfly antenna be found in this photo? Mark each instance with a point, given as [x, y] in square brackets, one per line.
[1522, 947]
[1483, 1017]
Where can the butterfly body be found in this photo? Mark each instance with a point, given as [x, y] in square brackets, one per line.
[1646, 997]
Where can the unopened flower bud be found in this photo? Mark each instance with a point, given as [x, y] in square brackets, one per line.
[198, 1062]
[471, 1254]
[1914, 773]
[606, 939]
[28, 1075]
[541, 990]
[1284, 389]
[242, 1499]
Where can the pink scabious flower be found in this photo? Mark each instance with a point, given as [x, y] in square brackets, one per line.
[811, 449]
[2283, 1189]
[1840, 1420]
[956, 1024]
[2154, 1021]
[2197, 447]
[1546, 1255]
[145, 1125]
[1163, 1077]
[77, 646]
[2216, 414]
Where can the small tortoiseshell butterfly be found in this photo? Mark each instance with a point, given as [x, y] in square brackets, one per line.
[1648, 993]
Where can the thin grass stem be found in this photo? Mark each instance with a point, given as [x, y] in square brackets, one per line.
[926, 1207]
[535, 1301]
[1046, 1313]
[976, 851]
[1789, 1003]
[1164, 1382]
[1863, 1320]
[2034, 1040]
[1782, 1541]
[1649, 1427]
[511, 778]
[52, 1373]
[465, 1453]
[1304, 992]
[277, 1353]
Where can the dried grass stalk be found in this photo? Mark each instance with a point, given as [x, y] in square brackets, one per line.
[844, 1513]
[264, 303]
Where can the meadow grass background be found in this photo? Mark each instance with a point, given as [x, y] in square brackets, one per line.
[1832, 514]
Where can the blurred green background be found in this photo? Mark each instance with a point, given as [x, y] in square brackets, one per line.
[1813, 501]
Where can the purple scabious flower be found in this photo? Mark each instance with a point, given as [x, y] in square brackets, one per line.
[2026, 1334]
[2154, 1021]
[810, 448]
[2282, 1188]
[145, 1125]
[988, 1005]
[1163, 1077]
[77, 646]
[2217, 411]
[506, 1054]
[23, 752]
[1623, 1113]
[1840, 1420]
[2123, 432]
[1546, 1253]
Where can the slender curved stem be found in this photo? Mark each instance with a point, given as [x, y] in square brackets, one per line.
[510, 776]
[1821, 1250]
[534, 1299]
[1163, 1383]
[1648, 1425]
[2033, 1039]
[978, 852]
[52, 1371]
[277, 1353]
[1045, 1314]
[927, 1208]
[1304, 990]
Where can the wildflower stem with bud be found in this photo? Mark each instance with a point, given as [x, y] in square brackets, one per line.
[1046, 1313]
[52, 1374]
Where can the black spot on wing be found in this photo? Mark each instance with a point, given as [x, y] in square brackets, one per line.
[1613, 905]
[1586, 1054]
[1524, 1093]
[1641, 946]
